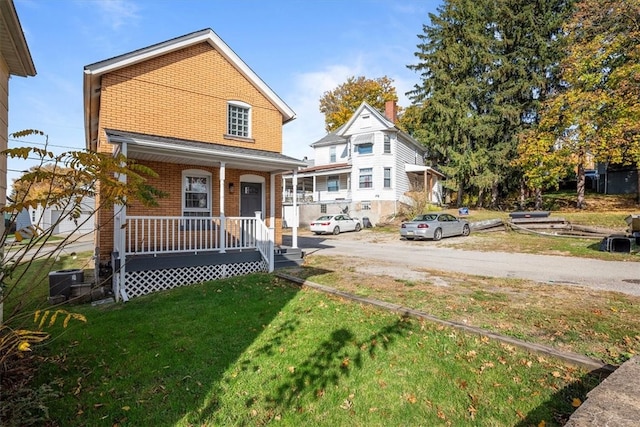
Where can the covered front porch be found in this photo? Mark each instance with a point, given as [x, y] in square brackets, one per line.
[222, 217]
[425, 179]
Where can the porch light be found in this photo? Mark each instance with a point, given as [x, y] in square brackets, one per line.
[231, 187]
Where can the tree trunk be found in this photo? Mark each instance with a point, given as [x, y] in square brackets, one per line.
[638, 184]
[580, 202]
[523, 190]
[494, 195]
[460, 190]
[538, 202]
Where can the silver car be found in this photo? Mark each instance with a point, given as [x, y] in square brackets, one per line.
[434, 226]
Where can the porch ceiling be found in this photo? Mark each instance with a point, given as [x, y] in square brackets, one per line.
[421, 169]
[174, 150]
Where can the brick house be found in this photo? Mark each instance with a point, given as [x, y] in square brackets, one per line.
[195, 113]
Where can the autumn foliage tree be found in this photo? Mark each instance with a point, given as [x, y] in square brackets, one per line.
[339, 104]
[598, 112]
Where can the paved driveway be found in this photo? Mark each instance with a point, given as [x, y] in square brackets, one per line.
[386, 248]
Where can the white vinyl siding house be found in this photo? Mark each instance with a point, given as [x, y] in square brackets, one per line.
[374, 165]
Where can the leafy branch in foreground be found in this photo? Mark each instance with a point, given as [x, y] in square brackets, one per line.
[63, 182]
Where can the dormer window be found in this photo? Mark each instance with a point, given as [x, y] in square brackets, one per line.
[239, 119]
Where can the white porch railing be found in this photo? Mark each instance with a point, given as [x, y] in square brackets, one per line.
[173, 234]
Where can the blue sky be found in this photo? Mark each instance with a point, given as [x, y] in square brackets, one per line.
[299, 48]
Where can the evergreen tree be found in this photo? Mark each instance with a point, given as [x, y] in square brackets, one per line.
[485, 67]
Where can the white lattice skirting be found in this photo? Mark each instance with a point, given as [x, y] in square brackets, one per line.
[139, 283]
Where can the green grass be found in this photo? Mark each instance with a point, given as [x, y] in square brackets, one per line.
[28, 286]
[599, 324]
[255, 350]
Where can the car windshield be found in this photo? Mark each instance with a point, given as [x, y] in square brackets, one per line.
[325, 218]
[425, 218]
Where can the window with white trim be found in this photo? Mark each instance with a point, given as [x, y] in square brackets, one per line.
[333, 183]
[366, 148]
[387, 177]
[387, 144]
[239, 119]
[332, 154]
[366, 178]
[196, 193]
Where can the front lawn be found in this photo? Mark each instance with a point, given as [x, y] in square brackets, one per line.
[256, 349]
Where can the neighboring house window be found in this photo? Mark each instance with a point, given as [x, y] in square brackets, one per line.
[196, 193]
[332, 154]
[333, 183]
[365, 148]
[323, 208]
[387, 144]
[366, 178]
[387, 177]
[365, 206]
[239, 120]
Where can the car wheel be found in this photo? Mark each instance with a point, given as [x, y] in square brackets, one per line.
[358, 228]
[466, 230]
[437, 235]
[336, 230]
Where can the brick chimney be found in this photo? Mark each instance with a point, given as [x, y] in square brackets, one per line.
[391, 111]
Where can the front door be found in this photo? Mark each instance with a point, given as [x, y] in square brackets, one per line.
[250, 198]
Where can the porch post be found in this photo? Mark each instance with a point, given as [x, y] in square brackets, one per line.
[294, 232]
[119, 239]
[272, 204]
[315, 198]
[222, 214]
[424, 184]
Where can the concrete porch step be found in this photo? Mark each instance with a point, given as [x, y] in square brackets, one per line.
[287, 257]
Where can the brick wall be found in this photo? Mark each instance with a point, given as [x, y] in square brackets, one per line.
[184, 95]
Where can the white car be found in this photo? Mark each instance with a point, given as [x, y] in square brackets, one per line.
[335, 224]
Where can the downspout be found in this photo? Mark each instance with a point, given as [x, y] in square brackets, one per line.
[222, 214]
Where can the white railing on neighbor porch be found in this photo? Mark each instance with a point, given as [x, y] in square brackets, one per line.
[174, 234]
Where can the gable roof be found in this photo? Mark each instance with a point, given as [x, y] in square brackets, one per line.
[331, 138]
[13, 45]
[386, 122]
[93, 73]
[342, 130]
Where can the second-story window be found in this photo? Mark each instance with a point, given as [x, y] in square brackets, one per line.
[365, 148]
[332, 154]
[239, 120]
[387, 144]
[366, 178]
[387, 177]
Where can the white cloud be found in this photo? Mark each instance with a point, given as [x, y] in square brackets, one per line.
[118, 12]
[304, 98]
